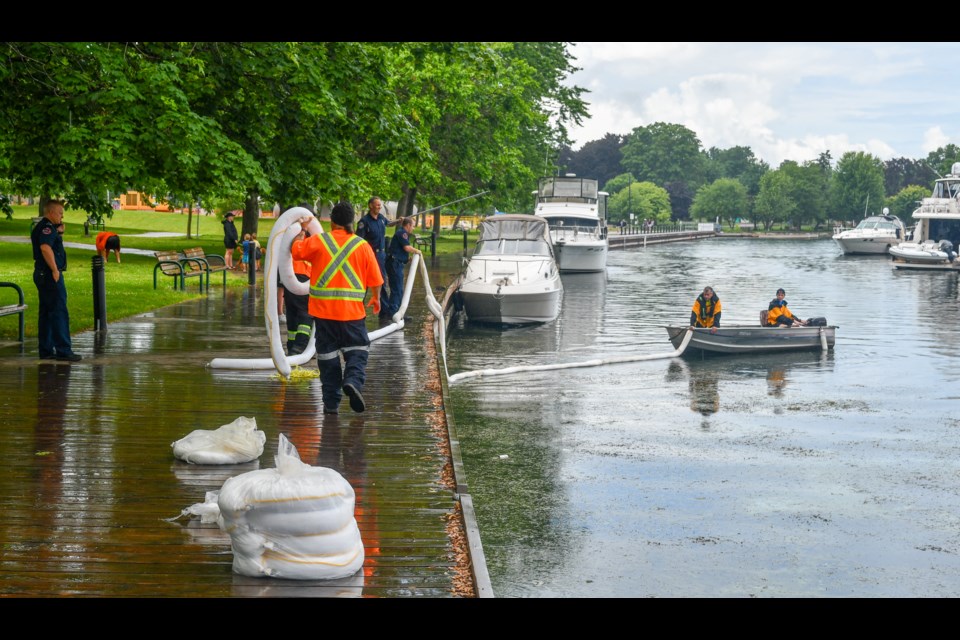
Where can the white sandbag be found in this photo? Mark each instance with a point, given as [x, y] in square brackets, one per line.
[295, 521]
[233, 443]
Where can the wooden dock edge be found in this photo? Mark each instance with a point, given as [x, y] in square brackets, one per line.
[478, 562]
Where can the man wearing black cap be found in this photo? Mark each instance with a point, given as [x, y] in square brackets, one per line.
[343, 267]
[230, 238]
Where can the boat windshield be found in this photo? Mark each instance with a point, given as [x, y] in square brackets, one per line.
[560, 222]
[878, 223]
[506, 247]
[946, 189]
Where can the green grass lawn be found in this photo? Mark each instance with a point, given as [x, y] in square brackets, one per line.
[129, 285]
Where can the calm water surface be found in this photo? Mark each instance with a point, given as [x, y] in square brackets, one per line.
[806, 474]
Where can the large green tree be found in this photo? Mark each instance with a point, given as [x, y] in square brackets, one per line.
[725, 199]
[644, 200]
[857, 188]
[775, 202]
[668, 155]
[906, 201]
[80, 119]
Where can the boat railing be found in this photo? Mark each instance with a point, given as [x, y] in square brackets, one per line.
[566, 232]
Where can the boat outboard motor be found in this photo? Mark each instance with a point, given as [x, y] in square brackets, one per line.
[947, 247]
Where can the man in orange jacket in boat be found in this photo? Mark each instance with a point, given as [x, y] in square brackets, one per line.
[706, 309]
[778, 314]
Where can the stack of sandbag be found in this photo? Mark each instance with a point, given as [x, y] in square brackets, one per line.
[232, 443]
[295, 521]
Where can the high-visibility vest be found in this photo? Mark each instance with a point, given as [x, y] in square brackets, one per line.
[340, 274]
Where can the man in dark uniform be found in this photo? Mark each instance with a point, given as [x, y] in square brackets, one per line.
[373, 228]
[49, 263]
[400, 250]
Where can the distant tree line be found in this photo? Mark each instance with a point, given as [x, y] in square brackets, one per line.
[662, 172]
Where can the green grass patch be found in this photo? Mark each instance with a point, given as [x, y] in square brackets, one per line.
[129, 285]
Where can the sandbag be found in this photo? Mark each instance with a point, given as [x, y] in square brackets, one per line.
[295, 521]
[232, 443]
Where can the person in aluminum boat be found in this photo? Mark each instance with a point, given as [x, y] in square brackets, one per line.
[779, 314]
[706, 309]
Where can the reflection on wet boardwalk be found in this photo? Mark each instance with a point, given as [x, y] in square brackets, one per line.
[90, 479]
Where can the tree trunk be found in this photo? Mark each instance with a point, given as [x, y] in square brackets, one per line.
[251, 213]
[190, 218]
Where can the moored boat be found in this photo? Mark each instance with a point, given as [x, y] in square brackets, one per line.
[937, 229]
[874, 235]
[576, 211]
[512, 277]
[743, 339]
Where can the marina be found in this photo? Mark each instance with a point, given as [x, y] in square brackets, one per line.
[797, 474]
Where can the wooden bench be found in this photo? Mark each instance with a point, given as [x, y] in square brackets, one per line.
[19, 308]
[211, 263]
[178, 267]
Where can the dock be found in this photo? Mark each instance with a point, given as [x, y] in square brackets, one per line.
[94, 498]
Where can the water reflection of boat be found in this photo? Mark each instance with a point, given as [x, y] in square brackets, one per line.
[576, 212]
[512, 277]
[937, 229]
[741, 339]
[581, 320]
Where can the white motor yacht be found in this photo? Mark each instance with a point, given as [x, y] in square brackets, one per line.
[937, 229]
[576, 212]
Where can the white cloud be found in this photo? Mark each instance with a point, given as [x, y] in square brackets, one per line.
[786, 101]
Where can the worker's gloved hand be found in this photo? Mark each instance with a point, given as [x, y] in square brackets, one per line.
[375, 303]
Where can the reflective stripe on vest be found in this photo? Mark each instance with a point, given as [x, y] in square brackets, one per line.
[339, 264]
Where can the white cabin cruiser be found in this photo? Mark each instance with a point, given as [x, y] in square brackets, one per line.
[937, 229]
[874, 235]
[577, 214]
[512, 276]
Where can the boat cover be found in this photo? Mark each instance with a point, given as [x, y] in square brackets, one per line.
[514, 227]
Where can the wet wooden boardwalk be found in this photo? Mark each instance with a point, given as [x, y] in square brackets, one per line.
[90, 480]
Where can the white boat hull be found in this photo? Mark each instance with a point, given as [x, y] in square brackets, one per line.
[866, 246]
[489, 304]
[581, 256]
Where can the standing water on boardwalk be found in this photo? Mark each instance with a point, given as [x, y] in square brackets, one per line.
[798, 474]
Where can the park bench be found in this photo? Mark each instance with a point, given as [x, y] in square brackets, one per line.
[19, 308]
[211, 263]
[178, 267]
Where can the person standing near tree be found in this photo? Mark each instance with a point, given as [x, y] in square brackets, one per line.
[343, 267]
[49, 263]
[230, 238]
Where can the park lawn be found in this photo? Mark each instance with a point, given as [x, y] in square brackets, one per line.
[129, 286]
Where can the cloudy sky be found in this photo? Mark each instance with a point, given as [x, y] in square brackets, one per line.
[786, 101]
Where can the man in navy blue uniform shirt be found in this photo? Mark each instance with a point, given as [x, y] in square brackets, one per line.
[49, 263]
[373, 228]
[400, 250]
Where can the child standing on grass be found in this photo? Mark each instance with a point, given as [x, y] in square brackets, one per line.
[257, 249]
[245, 252]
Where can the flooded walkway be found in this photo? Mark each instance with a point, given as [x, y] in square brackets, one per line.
[90, 479]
